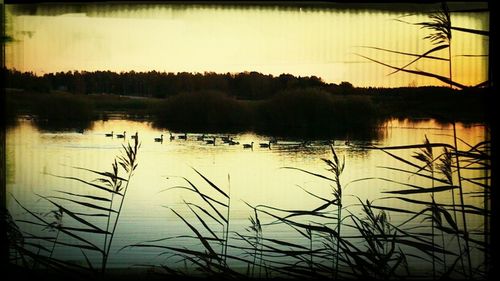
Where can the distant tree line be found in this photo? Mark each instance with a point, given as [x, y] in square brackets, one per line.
[245, 85]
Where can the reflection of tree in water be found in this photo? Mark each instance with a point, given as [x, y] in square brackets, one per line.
[63, 125]
[63, 113]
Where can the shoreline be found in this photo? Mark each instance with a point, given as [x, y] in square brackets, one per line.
[301, 113]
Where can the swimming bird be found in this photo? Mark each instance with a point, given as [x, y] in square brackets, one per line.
[109, 135]
[305, 143]
[200, 138]
[246, 145]
[171, 137]
[121, 136]
[231, 142]
[212, 141]
[135, 136]
[265, 145]
[160, 139]
[183, 137]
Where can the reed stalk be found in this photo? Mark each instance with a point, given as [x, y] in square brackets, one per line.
[462, 202]
[227, 216]
[128, 162]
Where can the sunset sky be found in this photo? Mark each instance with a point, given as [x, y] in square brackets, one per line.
[303, 41]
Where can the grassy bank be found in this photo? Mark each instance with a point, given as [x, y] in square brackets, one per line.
[300, 112]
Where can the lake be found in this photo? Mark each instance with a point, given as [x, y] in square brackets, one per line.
[256, 175]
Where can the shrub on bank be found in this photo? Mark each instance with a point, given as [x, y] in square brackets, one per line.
[316, 112]
[58, 107]
[203, 111]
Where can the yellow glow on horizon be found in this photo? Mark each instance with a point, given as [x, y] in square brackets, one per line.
[321, 42]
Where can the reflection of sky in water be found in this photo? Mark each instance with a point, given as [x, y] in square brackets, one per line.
[256, 176]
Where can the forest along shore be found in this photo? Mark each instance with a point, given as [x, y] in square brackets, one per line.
[303, 106]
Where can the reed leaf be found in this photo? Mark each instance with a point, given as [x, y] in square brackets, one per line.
[202, 239]
[483, 185]
[87, 183]
[98, 198]
[79, 246]
[105, 174]
[314, 195]
[424, 55]
[425, 248]
[419, 174]
[85, 204]
[393, 209]
[91, 245]
[97, 231]
[311, 173]
[318, 228]
[294, 213]
[87, 260]
[470, 30]
[420, 191]
[206, 212]
[211, 183]
[90, 215]
[206, 198]
[197, 191]
[37, 246]
[419, 72]
[284, 243]
[387, 180]
[202, 222]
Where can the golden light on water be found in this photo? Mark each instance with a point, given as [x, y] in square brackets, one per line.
[257, 176]
[198, 38]
[35, 157]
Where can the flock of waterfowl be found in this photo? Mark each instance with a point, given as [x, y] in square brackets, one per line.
[209, 140]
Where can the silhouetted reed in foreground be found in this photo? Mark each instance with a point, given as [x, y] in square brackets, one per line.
[440, 27]
[91, 229]
[336, 241]
[450, 217]
[434, 238]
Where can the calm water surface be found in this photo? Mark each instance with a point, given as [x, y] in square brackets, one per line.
[253, 175]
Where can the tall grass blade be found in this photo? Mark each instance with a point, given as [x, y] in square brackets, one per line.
[202, 239]
[98, 198]
[105, 174]
[419, 72]
[424, 55]
[87, 183]
[211, 184]
[202, 222]
[419, 191]
[85, 204]
[91, 245]
[311, 173]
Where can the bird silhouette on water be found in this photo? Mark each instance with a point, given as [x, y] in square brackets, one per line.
[160, 139]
